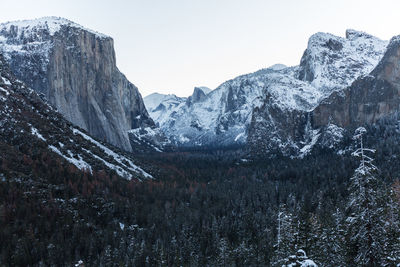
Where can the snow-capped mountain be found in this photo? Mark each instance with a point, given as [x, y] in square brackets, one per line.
[274, 100]
[75, 69]
[329, 65]
[331, 62]
[160, 106]
[157, 103]
[30, 127]
[369, 98]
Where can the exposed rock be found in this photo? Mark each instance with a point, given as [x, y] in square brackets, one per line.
[197, 96]
[369, 98]
[331, 62]
[75, 69]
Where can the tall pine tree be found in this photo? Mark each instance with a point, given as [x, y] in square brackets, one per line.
[365, 230]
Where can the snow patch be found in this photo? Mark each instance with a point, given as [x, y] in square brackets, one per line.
[35, 132]
[130, 166]
[4, 91]
[307, 148]
[241, 135]
[79, 163]
[6, 81]
[144, 134]
[183, 139]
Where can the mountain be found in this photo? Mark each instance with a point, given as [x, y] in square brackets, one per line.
[369, 98]
[330, 64]
[269, 109]
[31, 129]
[74, 68]
[157, 103]
[170, 101]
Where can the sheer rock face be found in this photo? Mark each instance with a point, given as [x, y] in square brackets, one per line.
[369, 98]
[75, 69]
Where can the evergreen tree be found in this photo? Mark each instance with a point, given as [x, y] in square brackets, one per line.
[364, 224]
[286, 236]
[224, 253]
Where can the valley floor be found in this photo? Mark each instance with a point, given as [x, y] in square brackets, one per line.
[212, 208]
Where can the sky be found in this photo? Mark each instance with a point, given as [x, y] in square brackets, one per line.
[171, 46]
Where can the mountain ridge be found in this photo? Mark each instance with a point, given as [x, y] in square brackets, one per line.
[242, 109]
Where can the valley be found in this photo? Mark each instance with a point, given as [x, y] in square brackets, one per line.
[265, 168]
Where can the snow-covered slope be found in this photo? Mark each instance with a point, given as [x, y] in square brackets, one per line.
[223, 116]
[331, 62]
[152, 101]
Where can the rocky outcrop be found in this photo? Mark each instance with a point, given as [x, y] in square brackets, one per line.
[75, 69]
[369, 98]
[274, 130]
[197, 96]
[332, 63]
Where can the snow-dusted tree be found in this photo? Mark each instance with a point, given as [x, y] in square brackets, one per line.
[364, 224]
[299, 260]
[334, 236]
[286, 236]
[224, 253]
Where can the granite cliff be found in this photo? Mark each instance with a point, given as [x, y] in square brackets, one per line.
[75, 69]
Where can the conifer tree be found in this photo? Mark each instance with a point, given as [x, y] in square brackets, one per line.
[364, 224]
[286, 235]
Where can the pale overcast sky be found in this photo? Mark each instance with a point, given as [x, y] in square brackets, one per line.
[170, 46]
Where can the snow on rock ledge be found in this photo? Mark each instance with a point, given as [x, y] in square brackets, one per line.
[50, 24]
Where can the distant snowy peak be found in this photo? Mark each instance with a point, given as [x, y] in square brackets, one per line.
[157, 103]
[277, 67]
[331, 62]
[199, 94]
[154, 100]
[50, 24]
[205, 89]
